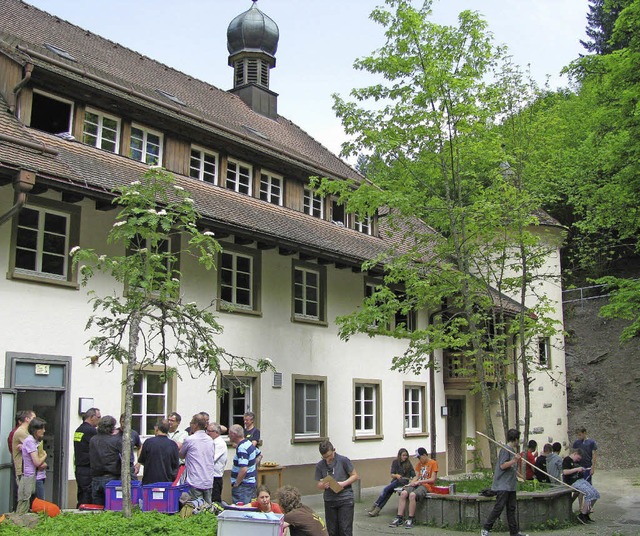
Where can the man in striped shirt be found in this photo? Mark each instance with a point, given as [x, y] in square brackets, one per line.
[244, 471]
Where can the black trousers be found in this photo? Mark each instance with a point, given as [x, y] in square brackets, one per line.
[83, 483]
[504, 499]
[216, 490]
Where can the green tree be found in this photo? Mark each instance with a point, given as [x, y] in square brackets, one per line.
[436, 161]
[601, 20]
[145, 321]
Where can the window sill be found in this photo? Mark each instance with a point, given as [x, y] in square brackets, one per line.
[315, 439]
[415, 434]
[35, 278]
[373, 437]
[302, 320]
[232, 309]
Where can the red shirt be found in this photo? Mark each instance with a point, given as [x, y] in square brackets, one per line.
[10, 440]
[275, 507]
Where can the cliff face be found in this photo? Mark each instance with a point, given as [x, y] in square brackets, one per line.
[603, 384]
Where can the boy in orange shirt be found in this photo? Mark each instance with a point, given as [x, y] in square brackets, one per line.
[417, 489]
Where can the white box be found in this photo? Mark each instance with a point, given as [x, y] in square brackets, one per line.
[238, 523]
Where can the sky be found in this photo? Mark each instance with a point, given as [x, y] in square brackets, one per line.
[319, 40]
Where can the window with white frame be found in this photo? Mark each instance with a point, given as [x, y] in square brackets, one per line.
[239, 177]
[150, 393]
[271, 188]
[239, 274]
[309, 407]
[203, 165]
[164, 258]
[145, 145]
[309, 283]
[544, 352]
[101, 130]
[238, 395]
[43, 232]
[362, 224]
[312, 204]
[366, 411]
[414, 409]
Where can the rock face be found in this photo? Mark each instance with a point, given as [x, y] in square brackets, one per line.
[603, 384]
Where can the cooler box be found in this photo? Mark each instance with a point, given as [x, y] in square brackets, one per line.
[238, 523]
[113, 494]
[162, 497]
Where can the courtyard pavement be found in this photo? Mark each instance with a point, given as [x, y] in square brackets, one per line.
[617, 513]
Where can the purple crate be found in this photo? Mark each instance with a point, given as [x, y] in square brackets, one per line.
[113, 494]
[162, 497]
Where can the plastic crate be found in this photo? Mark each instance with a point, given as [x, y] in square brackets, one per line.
[162, 497]
[113, 494]
[238, 523]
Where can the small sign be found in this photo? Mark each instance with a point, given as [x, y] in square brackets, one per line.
[42, 370]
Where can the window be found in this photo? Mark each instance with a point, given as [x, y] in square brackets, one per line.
[309, 283]
[312, 204]
[203, 165]
[43, 233]
[101, 130]
[338, 214]
[239, 276]
[309, 408]
[544, 352]
[164, 258]
[238, 394]
[238, 177]
[415, 421]
[402, 318]
[408, 320]
[366, 409]
[271, 188]
[149, 401]
[50, 113]
[146, 145]
[363, 225]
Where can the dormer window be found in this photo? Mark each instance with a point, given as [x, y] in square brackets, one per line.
[239, 177]
[312, 204]
[146, 145]
[271, 188]
[51, 113]
[101, 130]
[362, 224]
[203, 165]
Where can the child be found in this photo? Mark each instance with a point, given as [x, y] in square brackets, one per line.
[401, 472]
[301, 520]
[263, 502]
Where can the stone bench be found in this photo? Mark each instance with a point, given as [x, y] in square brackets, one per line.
[534, 508]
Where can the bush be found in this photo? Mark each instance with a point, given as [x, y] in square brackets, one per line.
[114, 524]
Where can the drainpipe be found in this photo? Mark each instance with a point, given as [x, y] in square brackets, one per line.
[22, 184]
[432, 395]
[28, 69]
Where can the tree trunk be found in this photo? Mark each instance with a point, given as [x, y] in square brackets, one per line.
[134, 335]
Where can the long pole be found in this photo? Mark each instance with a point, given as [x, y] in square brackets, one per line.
[529, 463]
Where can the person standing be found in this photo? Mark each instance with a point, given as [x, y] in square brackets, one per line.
[160, 456]
[554, 462]
[32, 462]
[250, 431]
[338, 503]
[20, 417]
[243, 472]
[589, 450]
[504, 484]
[105, 457]
[214, 430]
[417, 489]
[401, 472]
[81, 439]
[197, 451]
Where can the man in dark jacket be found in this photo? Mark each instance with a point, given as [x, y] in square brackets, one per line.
[159, 456]
[81, 439]
[105, 453]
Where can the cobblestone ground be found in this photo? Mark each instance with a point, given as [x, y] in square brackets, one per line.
[616, 514]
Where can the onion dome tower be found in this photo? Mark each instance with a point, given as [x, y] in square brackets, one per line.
[252, 41]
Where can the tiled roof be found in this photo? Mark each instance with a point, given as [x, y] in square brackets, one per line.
[26, 26]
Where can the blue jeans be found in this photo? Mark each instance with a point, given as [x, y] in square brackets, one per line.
[98, 484]
[40, 489]
[243, 493]
[387, 492]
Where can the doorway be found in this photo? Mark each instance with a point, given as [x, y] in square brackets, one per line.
[455, 438]
[40, 383]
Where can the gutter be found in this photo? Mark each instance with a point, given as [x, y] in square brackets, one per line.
[41, 147]
[22, 184]
[28, 69]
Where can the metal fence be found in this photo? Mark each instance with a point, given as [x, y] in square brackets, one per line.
[580, 295]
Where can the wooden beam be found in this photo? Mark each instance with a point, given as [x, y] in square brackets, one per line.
[104, 205]
[39, 188]
[264, 246]
[306, 256]
[324, 262]
[243, 241]
[341, 266]
[285, 252]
